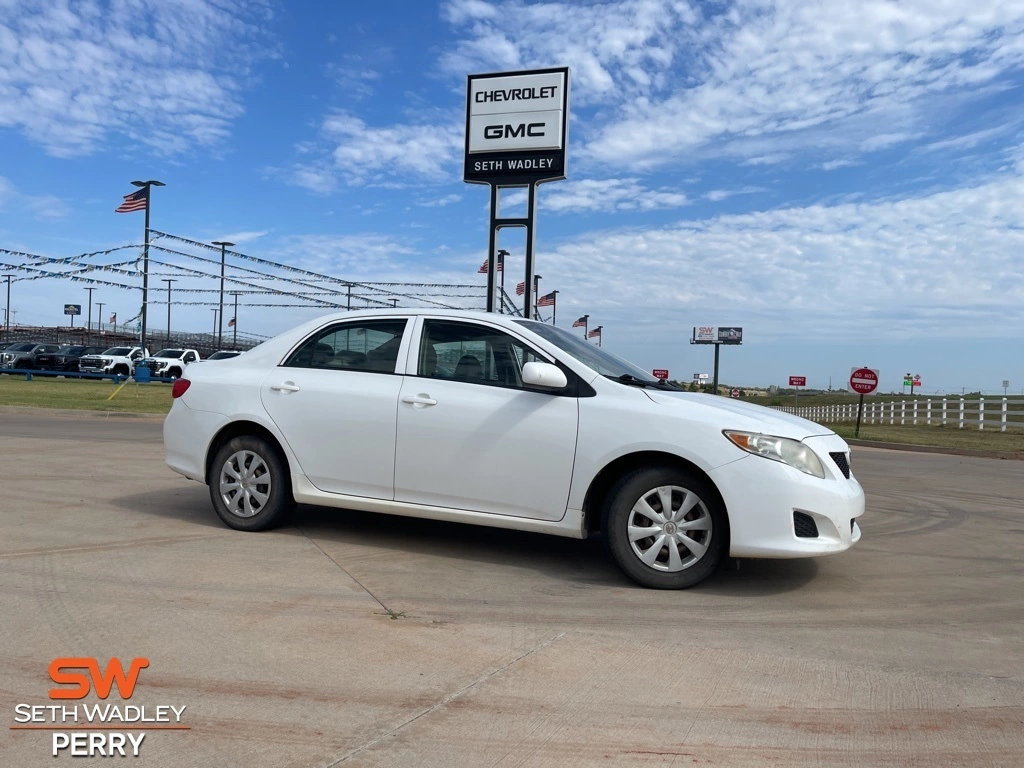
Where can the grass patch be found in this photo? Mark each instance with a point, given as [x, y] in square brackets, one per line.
[939, 437]
[84, 394]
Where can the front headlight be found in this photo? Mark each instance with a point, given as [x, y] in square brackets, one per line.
[791, 452]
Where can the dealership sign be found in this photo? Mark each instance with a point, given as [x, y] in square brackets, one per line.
[709, 334]
[516, 126]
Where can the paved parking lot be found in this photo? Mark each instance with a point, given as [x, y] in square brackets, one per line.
[508, 648]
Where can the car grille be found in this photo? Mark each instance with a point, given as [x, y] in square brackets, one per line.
[842, 462]
[805, 526]
[90, 365]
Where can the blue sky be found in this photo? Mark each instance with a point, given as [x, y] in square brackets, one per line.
[843, 180]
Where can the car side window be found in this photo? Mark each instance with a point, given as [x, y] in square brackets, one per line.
[369, 345]
[472, 353]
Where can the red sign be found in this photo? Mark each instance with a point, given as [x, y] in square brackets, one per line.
[798, 381]
[734, 393]
[863, 381]
[660, 373]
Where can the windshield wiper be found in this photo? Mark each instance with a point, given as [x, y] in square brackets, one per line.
[632, 381]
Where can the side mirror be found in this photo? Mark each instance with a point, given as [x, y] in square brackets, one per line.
[544, 375]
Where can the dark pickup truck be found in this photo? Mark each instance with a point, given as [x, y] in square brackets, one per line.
[24, 354]
[66, 358]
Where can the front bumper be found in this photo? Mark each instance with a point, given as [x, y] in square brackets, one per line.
[761, 496]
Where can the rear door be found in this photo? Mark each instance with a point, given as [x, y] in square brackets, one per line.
[471, 436]
[334, 399]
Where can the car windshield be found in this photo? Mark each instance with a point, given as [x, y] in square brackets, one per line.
[223, 355]
[118, 351]
[26, 347]
[589, 354]
[173, 353]
[71, 350]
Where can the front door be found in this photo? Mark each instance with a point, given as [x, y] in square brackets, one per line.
[472, 436]
[334, 400]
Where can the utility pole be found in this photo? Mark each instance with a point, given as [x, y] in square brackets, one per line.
[88, 333]
[7, 309]
[234, 319]
[148, 186]
[99, 317]
[169, 280]
[220, 329]
[213, 335]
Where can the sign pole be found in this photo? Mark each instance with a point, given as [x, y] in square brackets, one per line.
[491, 243]
[860, 409]
[717, 348]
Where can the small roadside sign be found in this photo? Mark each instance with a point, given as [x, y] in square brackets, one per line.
[734, 393]
[72, 309]
[660, 373]
[798, 381]
[863, 381]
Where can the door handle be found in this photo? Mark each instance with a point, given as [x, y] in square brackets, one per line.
[419, 400]
[286, 387]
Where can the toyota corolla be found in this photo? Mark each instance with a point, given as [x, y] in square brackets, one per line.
[511, 423]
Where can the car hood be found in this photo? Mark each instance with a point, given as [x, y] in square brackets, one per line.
[738, 415]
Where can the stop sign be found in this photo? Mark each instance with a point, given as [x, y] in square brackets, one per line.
[863, 381]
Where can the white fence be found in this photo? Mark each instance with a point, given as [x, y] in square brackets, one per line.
[983, 413]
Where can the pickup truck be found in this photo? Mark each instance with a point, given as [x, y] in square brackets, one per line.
[170, 363]
[119, 360]
[24, 355]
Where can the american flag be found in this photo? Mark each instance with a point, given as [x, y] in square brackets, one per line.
[581, 323]
[520, 288]
[113, 318]
[231, 323]
[547, 300]
[596, 332]
[498, 268]
[136, 201]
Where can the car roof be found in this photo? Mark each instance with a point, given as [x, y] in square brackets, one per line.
[468, 314]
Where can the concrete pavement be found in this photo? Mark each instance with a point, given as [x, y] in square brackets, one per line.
[509, 648]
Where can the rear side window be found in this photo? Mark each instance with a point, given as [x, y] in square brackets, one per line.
[370, 345]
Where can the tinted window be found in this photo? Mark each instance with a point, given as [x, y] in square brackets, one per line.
[118, 351]
[73, 350]
[473, 353]
[371, 345]
[23, 347]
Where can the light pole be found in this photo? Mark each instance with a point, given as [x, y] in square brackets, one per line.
[99, 316]
[148, 186]
[220, 329]
[536, 294]
[169, 280]
[7, 309]
[234, 319]
[213, 335]
[88, 333]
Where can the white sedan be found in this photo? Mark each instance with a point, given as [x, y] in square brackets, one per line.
[500, 421]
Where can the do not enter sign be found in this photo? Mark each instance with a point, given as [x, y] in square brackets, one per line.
[863, 381]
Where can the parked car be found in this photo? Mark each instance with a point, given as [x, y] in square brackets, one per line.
[115, 360]
[533, 429]
[23, 354]
[66, 358]
[171, 363]
[224, 354]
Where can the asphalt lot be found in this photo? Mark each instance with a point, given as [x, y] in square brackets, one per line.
[509, 648]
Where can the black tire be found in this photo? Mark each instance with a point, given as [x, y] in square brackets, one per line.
[279, 502]
[691, 567]
[174, 373]
[121, 370]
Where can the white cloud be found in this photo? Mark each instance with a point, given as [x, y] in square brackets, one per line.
[939, 266]
[607, 195]
[718, 195]
[164, 73]
[39, 207]
[440, 202]
[242, 237]
[762, 81]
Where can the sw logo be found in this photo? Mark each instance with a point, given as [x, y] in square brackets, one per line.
[102, 681]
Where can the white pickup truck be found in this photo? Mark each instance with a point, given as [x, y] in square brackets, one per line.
[170, 363]
[119, 360]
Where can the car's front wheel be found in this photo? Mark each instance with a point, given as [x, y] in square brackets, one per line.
[249, 485]
[665, 527]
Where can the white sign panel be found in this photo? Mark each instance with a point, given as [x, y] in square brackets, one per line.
[509, 131]
[516, 125]
[705, 333]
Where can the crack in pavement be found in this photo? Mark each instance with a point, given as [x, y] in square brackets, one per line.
[333, 761]
[343, 570]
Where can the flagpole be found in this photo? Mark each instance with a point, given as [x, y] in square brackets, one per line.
[554, 306]
[148, 186]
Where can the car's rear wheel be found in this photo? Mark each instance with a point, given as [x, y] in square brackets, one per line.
[665, 527]
[249, 485]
